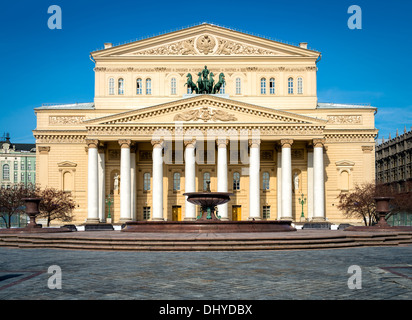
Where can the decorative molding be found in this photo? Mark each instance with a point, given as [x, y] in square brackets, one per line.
[205, 44]
[286, 143]
[319, 143]
[345, 119]
[204, 114]
[367, 149]
[92, 143]
[66, 120]
[125, 143]
[113, 154]
[43, 149]
[298, 154]
[67, 164]
[254, 142]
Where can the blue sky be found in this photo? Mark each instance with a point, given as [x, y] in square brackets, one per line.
[40, 65]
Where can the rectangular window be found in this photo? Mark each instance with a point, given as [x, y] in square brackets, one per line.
[16, 165]
[29, 165]
[22, 177]
[146, 213]
[22, 165]
[15, 177]
[29, 177]
[266, 212]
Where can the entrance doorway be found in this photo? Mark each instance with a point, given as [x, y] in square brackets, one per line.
[236, 213]
[176, 213]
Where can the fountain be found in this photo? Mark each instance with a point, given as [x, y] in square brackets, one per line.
[32, 210]
[208, 222]
[382, 208]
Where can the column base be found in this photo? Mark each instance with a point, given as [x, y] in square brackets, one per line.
[318, 219]
[254, 218]
[124, 220]
[286, 219]
[189, 219]
[158, 219]
[224, 219]
[92, 220]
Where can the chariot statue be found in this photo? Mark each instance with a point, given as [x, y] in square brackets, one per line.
[205, 83]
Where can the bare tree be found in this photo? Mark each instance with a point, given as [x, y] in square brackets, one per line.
[11, 202]
[55, 205]
[360, 203]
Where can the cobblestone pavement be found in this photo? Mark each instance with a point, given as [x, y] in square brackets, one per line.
[386, 273]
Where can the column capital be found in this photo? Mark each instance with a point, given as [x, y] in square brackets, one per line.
[157, 143]
[190, 143]
[92, 143]
[43, 149]
[319, 143]
[101, 147]
[125, 143]
[222, 142]
[286, 143]
[254, 143]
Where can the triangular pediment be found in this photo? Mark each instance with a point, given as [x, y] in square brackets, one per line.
[345, 163]
[205, 40]
[66, 164]
[205, 109]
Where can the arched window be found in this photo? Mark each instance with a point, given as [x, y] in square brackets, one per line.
[300, 86]
[238, 86]
[6, 172]
[176, 181]
[111, 86]
[146, 181]
[272, 86]
[139, 86]
[173, 86]
[236, 181]
[263, 86]
[148, 86]
[206, 180]
[265, 181]
[290, 86]
[121, 86]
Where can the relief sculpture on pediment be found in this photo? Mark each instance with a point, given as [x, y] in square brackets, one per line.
[204, 114]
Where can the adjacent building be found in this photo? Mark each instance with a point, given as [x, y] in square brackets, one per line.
[17, 162]
[154, 131]
[394, 161]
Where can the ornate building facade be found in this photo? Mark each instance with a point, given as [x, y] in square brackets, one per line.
[150, 135]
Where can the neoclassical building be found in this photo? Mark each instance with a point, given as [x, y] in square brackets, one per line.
[149, 136]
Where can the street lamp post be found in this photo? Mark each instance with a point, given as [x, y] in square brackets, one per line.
[109, 202]
[302, 201]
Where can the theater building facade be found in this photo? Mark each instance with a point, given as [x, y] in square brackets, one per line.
[205, 106]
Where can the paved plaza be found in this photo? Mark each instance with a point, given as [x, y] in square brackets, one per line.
[386, 273]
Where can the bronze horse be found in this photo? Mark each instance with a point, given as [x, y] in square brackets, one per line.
[219, 84]
[190, 84]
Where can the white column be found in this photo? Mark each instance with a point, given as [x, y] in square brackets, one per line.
[92, 183]
[310, 184]
[222, 185]
[286, 179]
[254, 180]
[279, 184]
[133, 183]
[190, 178]
[102, 189]
[125, 195]
[157, 193]
[318, 181]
